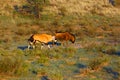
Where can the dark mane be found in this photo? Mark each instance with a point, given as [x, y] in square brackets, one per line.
[65, 32]
[72, 34]
[59, 31]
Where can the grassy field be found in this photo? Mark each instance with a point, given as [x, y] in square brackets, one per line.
[94, 56]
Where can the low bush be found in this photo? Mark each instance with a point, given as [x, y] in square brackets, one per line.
[111, 51]
[55, 74]
[98, 63]
[13, 64]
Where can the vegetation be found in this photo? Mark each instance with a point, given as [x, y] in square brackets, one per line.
[94, 56]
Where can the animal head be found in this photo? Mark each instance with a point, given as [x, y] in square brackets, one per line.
[72, 38]
[31, 40]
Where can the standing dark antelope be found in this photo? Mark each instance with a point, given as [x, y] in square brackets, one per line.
[64, 37]
[40, 38]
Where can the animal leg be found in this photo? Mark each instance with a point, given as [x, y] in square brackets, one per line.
[42, 44]
[33, 46]
[28, 47]
[49, 46]
[63, 42]
[66, 43]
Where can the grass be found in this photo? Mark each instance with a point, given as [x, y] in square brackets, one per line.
[117, 3]
[13, 65]
[98, 36]
[98, 63]
[58, 63]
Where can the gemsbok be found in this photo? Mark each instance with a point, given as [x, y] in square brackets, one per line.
[64, 37]
[40, 38]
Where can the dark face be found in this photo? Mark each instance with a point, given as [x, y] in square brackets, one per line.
[31, 39]
[72, 39]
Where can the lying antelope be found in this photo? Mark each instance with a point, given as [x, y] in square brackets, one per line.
[40, 38]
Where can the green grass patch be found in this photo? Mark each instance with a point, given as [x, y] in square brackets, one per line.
[12, 63]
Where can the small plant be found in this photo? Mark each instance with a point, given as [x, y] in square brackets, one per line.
[32, 7]
[117, 3]
[43, 58]
[63, 11]
[70, 51]
[23, 69]
[70, 61]
[98, 63]
[111, 51]
[42, 71]
[55, 74]
[90, 46]
[90, 31]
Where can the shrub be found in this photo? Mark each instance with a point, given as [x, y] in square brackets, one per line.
[90, 46]
[111, 51]
[43, 58]
[95, 46]
[117, 3]
[63, 11]
[98, 63]
[55, 74]
[13, 64]
[70, 61]
[90, 31]
[32, 7]
[70, 51]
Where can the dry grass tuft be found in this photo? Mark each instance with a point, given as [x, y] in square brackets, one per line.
[98, 63]
[84, 6]
[63, 7]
